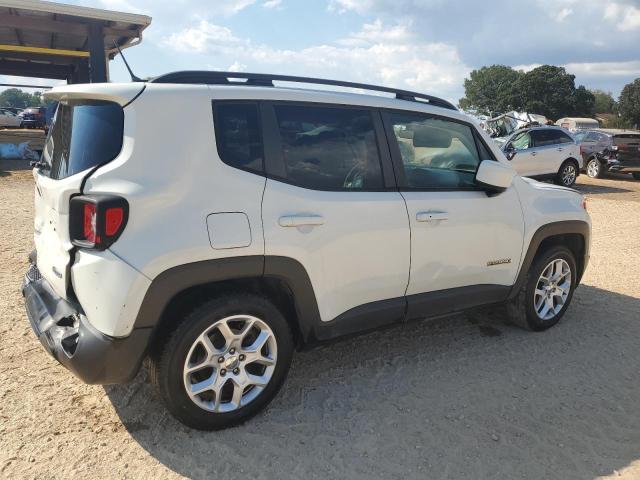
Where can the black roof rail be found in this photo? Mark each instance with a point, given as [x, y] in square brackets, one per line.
[266, 80]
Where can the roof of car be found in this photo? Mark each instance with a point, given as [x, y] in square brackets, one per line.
[616, 131]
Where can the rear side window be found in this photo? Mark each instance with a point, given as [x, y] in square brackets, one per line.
[329, 148]
[238, 135]
[435, 153]
[84, 135]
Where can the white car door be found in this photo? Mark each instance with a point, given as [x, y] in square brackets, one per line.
[523, 155]
[463, 240]
[329, 205]
[549, 152]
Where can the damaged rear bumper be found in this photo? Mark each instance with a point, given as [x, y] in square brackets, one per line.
[66, 334]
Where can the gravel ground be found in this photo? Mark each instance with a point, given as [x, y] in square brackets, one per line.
[465, 397]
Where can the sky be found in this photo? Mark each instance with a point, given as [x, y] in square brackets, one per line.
[425, 45]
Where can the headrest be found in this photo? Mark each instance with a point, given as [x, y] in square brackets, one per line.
[433, 137]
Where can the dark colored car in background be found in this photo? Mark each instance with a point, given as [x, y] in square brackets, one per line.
[610, 150]
[34, 117]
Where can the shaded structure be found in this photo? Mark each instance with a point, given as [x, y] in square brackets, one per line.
[63, 42]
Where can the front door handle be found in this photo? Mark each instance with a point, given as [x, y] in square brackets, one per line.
[533, 154]
[300, 220]
[431, 216]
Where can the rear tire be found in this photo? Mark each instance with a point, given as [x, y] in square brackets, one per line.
[224, 363]
[594, 168]
[567, 174]
[540, 303]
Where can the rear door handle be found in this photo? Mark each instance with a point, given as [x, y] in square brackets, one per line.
[431, 216]
[533, 154]
[560, 149]
[300, 220]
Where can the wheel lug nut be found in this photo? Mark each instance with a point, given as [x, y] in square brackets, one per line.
[242, 358]
[232, 351]
[223, 372]
[236, 371]
[220, 359]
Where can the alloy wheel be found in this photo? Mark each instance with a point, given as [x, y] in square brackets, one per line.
[552, 289]
[230, 363]
[593, 168]
[569, 174]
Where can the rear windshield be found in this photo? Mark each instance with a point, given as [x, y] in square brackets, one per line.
[84, 135]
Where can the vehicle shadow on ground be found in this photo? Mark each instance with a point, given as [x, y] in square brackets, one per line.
[8, 166]
[596, 189]
[462, 397]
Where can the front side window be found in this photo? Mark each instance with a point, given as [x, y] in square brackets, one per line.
[521, 141]
[435, 153]
[238, 135]
[329, 148]
[84, 134]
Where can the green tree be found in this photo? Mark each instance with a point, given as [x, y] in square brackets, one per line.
[14, 97]
[551, 91]
[584, 102]
[604, 102]
[629, 103]
[488, 90]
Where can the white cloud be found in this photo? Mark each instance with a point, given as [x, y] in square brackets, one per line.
[628, 69]
[605, 69]
[562, 14]
[237, 67]
[204, 37]
[376, 54]
[272, 3]
[625, 17]
[527, 68]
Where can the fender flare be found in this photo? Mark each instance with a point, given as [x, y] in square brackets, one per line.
[549, 230]
[173, 281]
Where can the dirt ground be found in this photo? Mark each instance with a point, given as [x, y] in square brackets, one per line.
[465, 397]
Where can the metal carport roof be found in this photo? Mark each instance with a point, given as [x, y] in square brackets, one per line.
[51, 40]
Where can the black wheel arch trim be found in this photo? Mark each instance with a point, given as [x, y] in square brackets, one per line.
[170, 283]
[545, 232]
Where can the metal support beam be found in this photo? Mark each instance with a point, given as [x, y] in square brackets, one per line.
[98, 58]
[57, 26]
[31, 69]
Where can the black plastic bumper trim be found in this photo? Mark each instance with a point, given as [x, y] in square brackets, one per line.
[66, 334]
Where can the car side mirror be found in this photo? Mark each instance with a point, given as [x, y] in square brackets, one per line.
[510, 152]
[495, 176]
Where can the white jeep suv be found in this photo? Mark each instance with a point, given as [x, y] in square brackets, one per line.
[274, 219]
[545, 153]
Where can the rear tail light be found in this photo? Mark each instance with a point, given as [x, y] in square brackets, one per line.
[96, 221]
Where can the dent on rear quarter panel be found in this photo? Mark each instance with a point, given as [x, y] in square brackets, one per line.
[109, 291]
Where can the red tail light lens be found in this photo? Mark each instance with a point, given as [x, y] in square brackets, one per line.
[89, 222]
[96, 221]
[113, 220]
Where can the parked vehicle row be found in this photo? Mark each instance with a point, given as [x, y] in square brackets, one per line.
[275, 219]
[32, 117]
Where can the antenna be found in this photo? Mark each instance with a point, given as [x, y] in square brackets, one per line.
[134, 78]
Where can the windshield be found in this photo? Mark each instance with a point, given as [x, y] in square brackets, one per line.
[84, 135]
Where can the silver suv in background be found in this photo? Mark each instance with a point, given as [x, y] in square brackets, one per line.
[544, 153]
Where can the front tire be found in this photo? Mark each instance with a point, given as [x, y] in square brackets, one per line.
[594, 168]
[547, 292]
[224, 363]
[567, 174]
